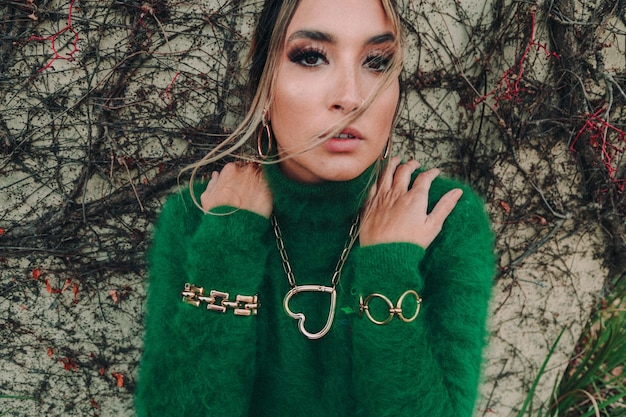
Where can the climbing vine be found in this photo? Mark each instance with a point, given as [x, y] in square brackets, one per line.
[102, 103]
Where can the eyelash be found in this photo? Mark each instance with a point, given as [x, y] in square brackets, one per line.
[382, 59]
[300, 55]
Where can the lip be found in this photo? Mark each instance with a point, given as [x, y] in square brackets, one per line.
[352, 132]
[344, 145]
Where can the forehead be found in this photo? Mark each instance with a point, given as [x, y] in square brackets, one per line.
[341, 17]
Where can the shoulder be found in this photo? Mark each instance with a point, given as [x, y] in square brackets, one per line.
[180, 211]
[462, 255]
[182, 198]
[469, 219]
[470, 199]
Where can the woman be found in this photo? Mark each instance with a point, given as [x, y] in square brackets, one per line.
[328, 280]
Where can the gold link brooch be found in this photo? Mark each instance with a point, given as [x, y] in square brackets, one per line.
[364, 307]
[244, 305]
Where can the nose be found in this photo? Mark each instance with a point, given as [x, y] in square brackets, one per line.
[346, 94]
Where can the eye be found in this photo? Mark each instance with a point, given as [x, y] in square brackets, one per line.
[378, 63]
[308, 57]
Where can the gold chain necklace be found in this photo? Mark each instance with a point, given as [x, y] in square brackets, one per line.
[295, 288]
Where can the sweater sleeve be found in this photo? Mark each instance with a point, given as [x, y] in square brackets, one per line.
[197, 361]
[430, 366]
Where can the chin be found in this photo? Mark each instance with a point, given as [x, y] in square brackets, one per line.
[329, 169]
[343, 175]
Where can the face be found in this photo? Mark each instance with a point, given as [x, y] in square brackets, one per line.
[335, 54]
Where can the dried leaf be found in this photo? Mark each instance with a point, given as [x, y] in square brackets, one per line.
[69, 364]
[75, 292]
[505, 206]
[93, 403]
[68, 283]
[119, 378]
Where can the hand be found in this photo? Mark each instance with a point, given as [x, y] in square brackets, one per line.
[395, 213]
[240, 185]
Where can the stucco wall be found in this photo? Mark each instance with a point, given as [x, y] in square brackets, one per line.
[92, 138]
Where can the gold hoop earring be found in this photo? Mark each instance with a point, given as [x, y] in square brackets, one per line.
[265, 127]
[388, 147]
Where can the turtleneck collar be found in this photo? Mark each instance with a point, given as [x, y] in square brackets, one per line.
[335, 201]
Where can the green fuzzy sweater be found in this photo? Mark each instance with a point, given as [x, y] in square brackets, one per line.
[204, 363]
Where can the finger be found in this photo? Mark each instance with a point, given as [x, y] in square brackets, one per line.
[444, 207]
[231, 168]
[254, 168]
[404, 173]
[424, 180]
[212, 180]
[209, 187]
[386, 180]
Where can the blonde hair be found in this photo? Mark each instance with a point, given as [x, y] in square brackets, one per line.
[264, 56]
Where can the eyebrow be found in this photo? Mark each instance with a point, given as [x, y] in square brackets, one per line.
[328, 38]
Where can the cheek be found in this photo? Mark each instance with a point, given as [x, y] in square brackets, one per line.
[394, 96]
[281, 113]
[389, 103]
[296, 108]
[288, 103]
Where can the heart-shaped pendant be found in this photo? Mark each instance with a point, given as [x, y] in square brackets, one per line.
[302, 318]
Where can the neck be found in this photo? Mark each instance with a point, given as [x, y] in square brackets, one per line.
[326, 202]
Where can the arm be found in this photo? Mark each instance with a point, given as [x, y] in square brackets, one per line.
[460, 268]
[198, 361]
[430, 366]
